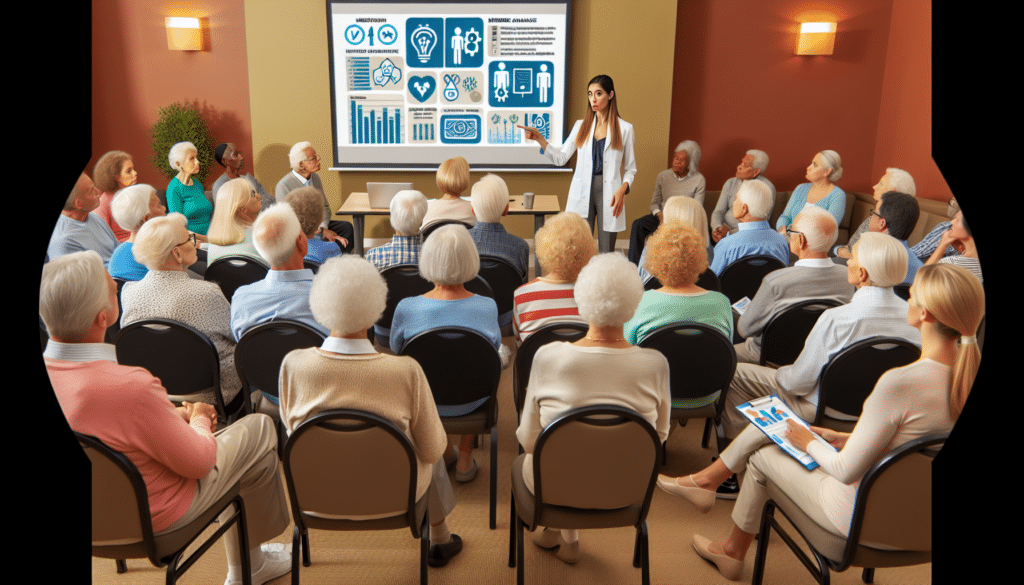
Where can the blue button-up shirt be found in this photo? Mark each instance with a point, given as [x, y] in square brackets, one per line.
[283, 294]
[753, 238]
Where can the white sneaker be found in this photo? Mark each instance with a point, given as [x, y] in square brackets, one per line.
[277, 561]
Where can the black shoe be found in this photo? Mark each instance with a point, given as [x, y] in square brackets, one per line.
[729, 489]
[440, 554]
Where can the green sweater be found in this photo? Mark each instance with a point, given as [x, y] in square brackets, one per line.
[192, 203]
[658, 309]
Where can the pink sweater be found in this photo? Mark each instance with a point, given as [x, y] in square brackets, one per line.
[128, 409]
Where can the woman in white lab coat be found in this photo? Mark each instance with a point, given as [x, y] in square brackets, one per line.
[598, 189]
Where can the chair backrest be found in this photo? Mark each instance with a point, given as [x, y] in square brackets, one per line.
[785, 333]
[108, 337]
[260, 351]
[503, 279]
[314, 266]
[707, 280]
[701, 359]
[120, 502]
[341, 463]
[743, 277]
[850, 376]
[902, 291]
[460, 364]
[524, 355]
[181, 356]
[231, 272]
[436, 224]
[598, 457]
[481, 287]
[403, 281]
[893, 506]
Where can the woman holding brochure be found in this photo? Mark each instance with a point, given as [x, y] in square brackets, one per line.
[602, 146]
[946, 304]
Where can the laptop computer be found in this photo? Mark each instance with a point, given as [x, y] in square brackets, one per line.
[380, 194]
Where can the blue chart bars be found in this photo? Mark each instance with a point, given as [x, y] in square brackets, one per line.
[376, 119]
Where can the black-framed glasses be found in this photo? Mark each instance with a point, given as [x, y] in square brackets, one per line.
[873, 212]
[790, 232]
[191, 238]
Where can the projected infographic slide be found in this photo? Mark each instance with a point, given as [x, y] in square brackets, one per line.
[416, 83]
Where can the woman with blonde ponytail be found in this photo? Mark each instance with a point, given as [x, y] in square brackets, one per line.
[923, 398]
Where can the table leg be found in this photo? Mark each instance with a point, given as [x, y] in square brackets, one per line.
[358, 227]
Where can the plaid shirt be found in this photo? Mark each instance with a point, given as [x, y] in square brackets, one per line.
[492, 240]
[401, 250]
[923, 249]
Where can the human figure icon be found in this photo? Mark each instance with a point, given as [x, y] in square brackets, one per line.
[543, 82]
[458, 43]
[501, 81]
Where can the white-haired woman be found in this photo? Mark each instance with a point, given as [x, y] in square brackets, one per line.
[923, 398]
[165, 246]
[348, 295]
[184, 193]
[230, 233]
[452, 180]
[132, 207]
[230, 157]
[677, 258]
[449, 259]
[602, 368]
[825, 169]
[113, 171]
[690, 213]
[564, 246]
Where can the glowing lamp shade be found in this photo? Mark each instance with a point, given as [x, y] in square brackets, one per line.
[183, 34]
[816, 38]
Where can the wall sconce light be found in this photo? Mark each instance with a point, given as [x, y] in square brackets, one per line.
[816, 38]
[183, 34]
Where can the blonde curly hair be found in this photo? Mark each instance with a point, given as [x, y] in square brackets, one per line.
[676, 254]
[564, 245]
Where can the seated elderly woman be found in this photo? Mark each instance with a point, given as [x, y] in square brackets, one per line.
[920, 399]
[166, 248]
[132, 207]
[115, 170]
[184, 193]
[309, 207]
[564, 246]
[449, 260]
[825, 169]
[691, 213]
[676, 257]
[230, 234]
[228, 156]
[601, 368]
[452, 179]
[348, 295]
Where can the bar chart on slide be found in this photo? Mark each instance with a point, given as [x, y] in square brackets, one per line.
[376, 119]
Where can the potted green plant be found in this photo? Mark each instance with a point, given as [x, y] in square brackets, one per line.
[178, 123]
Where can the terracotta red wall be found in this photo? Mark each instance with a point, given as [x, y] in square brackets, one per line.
[134, 74]
[738, 86]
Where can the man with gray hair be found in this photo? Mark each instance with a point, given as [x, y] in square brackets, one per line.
[78, 228]
[751, 167]
[683, 179]
[893, 180]
[305, 163]
[754, 237]
[813, 276]
[186, 464]
[490, 202]
[408, 208]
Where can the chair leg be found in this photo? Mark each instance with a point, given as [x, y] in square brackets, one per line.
[520, 569]
[512, 532]
[762, 543]
[122, 566]
[424, 547]
[645, 561]
[494, 477]
[707, 434]
[305, 549]
[868, 575]
[296, 551]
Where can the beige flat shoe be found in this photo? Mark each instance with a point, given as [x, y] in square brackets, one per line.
[701, 498]
[729, 567]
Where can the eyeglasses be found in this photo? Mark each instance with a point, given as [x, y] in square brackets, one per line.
[191, 238]
[790, 232]
[313, 158]
[873, 212]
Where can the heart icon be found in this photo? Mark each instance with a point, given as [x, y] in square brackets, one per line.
[422, 88]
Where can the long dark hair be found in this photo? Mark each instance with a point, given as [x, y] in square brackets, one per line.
[608, 85]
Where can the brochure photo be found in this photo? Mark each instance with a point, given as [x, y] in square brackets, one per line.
[769, 414]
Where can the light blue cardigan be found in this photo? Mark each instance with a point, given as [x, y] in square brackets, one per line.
[834, 203]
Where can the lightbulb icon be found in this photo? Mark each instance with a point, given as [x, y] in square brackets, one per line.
[424, 39]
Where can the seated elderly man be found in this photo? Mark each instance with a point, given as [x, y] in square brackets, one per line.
[893, 180]
[754, 237]
[407, 211]
[305, 163]
[489, 197]
[348, 296]
[751, 167]
[78, 228]
[813, 276]
[683, 179]
[926, 247]
[896, 214]
[185, 464]
[879, 262]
